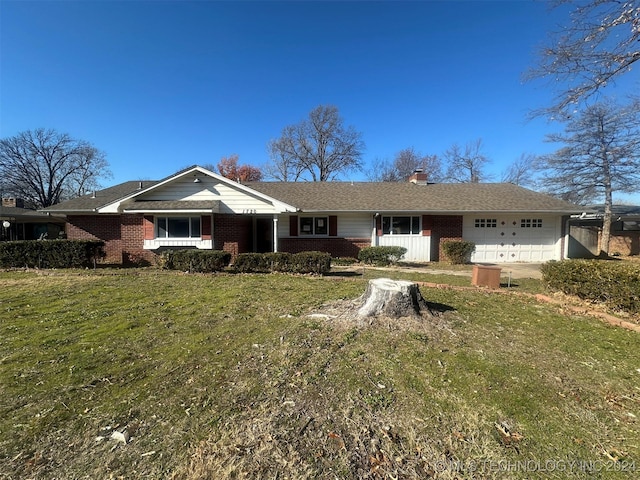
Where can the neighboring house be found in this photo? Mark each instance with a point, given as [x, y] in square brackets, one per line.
[19, 223]
[586, 230]
[196, 208]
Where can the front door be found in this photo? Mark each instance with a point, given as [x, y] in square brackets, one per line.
[263, 235]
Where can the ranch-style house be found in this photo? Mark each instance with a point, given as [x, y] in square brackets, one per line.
[196, 208]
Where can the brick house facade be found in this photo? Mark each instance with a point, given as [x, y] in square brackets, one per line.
[196, 208]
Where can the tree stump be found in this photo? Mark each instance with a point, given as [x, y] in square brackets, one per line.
[392, 298]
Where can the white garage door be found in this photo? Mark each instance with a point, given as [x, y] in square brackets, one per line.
[513, 238]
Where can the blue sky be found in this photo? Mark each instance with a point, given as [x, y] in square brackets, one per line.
[163, 85]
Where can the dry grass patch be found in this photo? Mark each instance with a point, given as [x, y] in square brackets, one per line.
[226, 376]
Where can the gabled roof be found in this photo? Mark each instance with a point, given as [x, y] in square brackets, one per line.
[405, 196]
[129, 196]
[332, 197]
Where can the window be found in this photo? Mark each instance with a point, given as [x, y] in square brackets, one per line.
[314, 226]
[626, 226]
[178, 227]
[486, 223]
[401, 225]
[531, 223]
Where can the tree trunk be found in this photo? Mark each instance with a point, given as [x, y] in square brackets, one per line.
[392, 298]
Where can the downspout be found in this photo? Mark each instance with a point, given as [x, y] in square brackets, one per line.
[565, 247]
[374, 231]
[275, 232]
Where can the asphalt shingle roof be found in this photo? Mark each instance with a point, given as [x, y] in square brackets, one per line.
[150, 205]
[391, 196]
[368, 196]
[92, 201]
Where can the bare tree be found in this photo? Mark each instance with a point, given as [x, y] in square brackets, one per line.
[601, 156]
[466, 165]
[44, 167]
[319, 148]
[404, 164]
[600, 43]
[284, 165]
[520, 172]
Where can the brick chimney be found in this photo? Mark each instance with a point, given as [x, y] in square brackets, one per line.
[418, 177]
[13, 202]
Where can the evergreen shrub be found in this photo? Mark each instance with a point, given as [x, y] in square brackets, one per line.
[51, 253]
[382, 255]
[195, 261]
[458, 252]
[616, 284]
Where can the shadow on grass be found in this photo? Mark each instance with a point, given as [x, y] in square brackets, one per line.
[439, 307]
[344, 273]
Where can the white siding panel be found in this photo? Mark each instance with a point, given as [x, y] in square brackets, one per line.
[354, 225]
[350, 225]
[233, 200]
[418, 247]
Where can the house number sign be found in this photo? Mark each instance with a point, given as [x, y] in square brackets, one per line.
[249, 211]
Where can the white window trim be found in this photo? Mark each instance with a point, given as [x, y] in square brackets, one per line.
[190, 237]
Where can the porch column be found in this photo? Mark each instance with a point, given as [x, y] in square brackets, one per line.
[275, 233]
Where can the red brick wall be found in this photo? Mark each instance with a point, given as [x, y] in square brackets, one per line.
[94, 227]
[624, 243]
[123, 236]
[443, 228]
[337, 247]
[232, 233]
[134, 230]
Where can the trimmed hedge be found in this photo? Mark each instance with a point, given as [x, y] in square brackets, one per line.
[311, 262]
[458, 252]
[616, 284]
[205, 261]
[381, 256]
[51, 253]
[195, 261]
[251, 263]
[304, 262]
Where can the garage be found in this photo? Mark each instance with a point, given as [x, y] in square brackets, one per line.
[513, 238]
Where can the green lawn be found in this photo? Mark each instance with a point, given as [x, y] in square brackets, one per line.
[225, 376]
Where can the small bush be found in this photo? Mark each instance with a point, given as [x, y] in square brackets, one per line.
[195, 261]
[381, 256]
[616, 284]
[51, 253]
[458, 252]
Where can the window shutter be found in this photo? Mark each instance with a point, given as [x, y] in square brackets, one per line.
[426, 225]
[333, 226]
[293, 226]
[205, 227]
[148, 227]
[379, 225]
